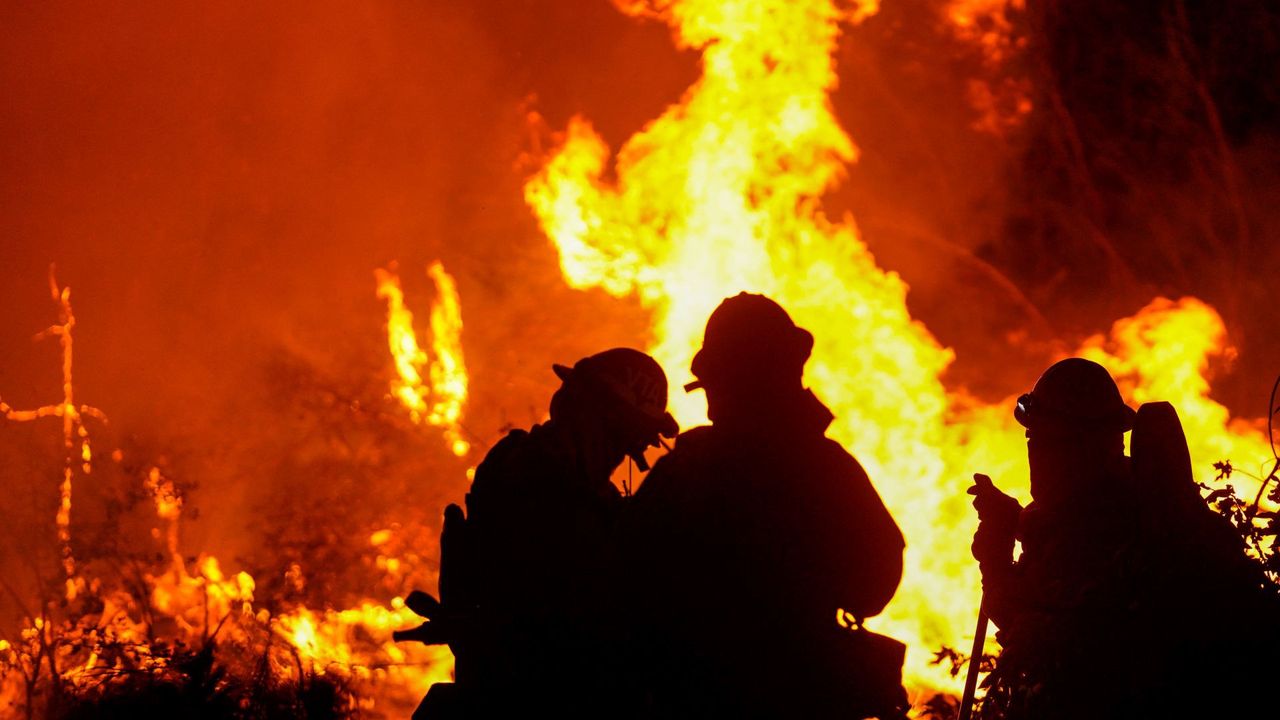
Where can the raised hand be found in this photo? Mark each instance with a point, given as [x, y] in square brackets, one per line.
[997, 521]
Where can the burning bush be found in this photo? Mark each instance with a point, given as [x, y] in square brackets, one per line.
[100, 663]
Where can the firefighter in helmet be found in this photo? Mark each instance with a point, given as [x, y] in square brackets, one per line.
[523, 574]
[1064, 610]
[1120, 558]
[749, 537]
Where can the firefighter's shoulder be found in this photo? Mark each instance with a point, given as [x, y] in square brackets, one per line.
[690, 446]
[513, 443]
[505, 453]
[694, 438]
[835, 455]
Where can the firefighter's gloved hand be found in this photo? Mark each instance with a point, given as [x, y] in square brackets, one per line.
[424, 604]
[442, 626]
[997, 521]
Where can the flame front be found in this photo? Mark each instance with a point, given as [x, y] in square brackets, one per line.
[722, 193]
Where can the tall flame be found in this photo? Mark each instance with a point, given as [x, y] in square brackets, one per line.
[722, 193]
[437, 399]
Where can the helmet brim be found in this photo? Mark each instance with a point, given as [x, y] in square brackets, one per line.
[563, 372]
[1118, 419]
[718, 358]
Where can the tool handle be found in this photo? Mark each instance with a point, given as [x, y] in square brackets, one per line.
[975, 660]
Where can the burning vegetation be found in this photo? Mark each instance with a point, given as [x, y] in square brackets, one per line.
[731, 187]
[151, 632]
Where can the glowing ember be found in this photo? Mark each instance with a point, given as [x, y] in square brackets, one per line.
[1005, 102]
[72, 427]
[168, 502]
[722, 194]
[984, 18]
[439, 398]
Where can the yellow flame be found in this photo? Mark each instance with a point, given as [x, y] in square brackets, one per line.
[409, 357]
[167, 500]
[448, 373]
[440, 402]
[1164, 353]
[722, 194]
[337, 641]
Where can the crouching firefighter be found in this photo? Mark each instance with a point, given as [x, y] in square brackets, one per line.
[523, 591]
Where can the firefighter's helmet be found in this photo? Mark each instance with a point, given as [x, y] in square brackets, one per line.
[750, 336]
[1075, 395]
[632, 384]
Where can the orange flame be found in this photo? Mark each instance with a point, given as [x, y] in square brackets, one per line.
[983, 18]
[722, 194]
[1004, 104]
[440, 402]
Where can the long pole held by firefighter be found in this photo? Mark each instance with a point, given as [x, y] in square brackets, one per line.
[975, 661]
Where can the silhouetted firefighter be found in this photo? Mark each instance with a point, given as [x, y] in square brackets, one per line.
[746, 539]
[522, 580]
[1131, 598]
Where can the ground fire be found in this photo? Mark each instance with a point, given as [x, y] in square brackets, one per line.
[257, 564]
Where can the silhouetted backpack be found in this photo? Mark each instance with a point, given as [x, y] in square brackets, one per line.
[1160, 457]
[1173, 510]
[1198, 547]
[1198, 576]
